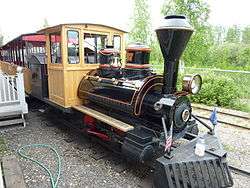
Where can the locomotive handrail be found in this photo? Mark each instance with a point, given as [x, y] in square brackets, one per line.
[203, 123]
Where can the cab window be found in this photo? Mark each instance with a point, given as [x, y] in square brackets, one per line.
[55, 48]
[117, 42]
[73, 47]
[92, 44]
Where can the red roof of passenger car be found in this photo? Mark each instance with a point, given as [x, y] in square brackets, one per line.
[34, 38]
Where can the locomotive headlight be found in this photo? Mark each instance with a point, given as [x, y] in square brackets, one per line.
[192, 83]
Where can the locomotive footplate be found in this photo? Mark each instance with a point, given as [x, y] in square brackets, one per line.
[186, 169]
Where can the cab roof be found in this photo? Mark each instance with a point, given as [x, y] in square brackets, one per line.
[84, 24]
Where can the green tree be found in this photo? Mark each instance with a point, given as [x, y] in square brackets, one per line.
[197, 11]
[246, 35]
[155, 55]
[233, 34]
[141, 29]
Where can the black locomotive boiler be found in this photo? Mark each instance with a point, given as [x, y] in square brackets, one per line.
[135, 90]
[149, 102]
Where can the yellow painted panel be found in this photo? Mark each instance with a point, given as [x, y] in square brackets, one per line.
[72, 81]
[56, 86]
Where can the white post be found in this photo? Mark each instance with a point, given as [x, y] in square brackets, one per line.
[20, 90]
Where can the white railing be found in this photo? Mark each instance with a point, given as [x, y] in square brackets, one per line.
[8, 89]
[12, 94]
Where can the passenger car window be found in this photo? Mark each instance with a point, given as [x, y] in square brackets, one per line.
[92, 44]
[55, 48]
[117, 42]
[73, 47]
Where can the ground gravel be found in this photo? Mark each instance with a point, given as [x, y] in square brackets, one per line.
[86, 163]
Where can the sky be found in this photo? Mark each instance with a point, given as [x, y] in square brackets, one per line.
[26, 16]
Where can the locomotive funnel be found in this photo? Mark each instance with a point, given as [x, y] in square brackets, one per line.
[173, 36]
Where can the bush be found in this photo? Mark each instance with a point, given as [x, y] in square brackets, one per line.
[216, 91]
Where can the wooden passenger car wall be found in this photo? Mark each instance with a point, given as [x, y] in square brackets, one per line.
[55, 74]
[64, 78]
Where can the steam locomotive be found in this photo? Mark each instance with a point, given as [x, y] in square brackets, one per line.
[139, 95]
[136, 111]
[161, 114]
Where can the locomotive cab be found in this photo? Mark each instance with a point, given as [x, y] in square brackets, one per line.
[72, 51]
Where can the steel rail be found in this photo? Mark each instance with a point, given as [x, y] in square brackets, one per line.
[220, 112]
[239, 171]
[228, 123]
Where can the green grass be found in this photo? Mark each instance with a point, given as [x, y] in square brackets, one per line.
[242, 105]
[3, 147]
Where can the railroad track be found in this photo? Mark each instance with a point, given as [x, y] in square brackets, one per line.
[224, 122]
[239, 171]
[223, 112]
[232, 119]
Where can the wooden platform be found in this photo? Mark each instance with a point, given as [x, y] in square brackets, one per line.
[104, 118]
[13, 176]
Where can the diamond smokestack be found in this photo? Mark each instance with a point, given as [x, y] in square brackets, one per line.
[173, 36]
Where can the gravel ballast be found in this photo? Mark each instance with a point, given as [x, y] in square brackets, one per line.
[85, 163]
